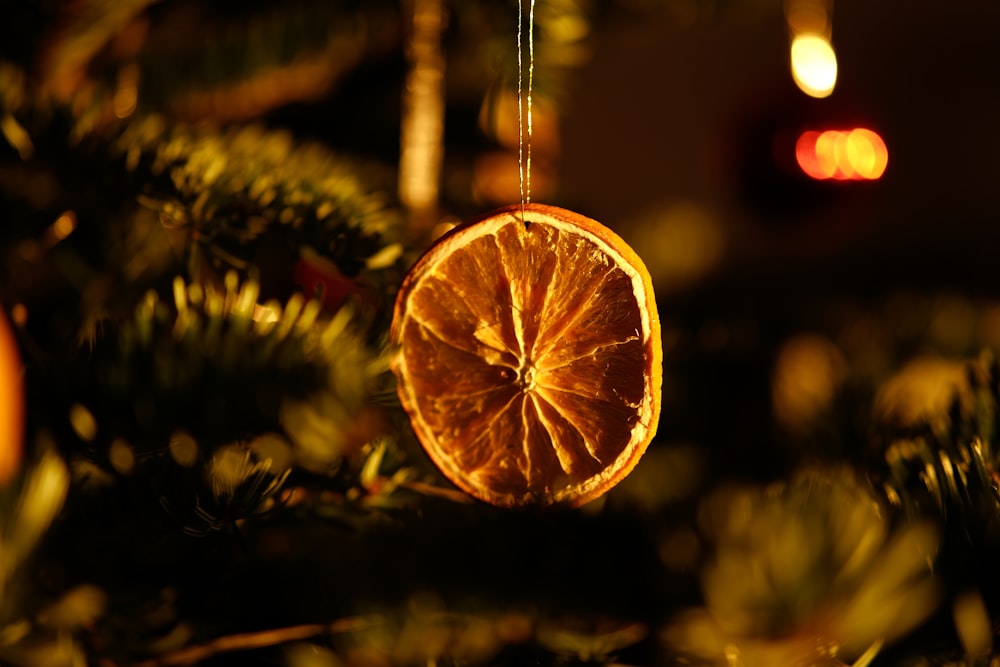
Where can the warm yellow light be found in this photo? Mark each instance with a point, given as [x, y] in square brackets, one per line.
[972, 621]
[183, 448]
[814, 64]
[826, 153]
[126, 95]
[83, 422]
[868, 153]
[122, 456]
[681, 243]
[858, 154]
[63, 226]
[808, 372]
[845, 169]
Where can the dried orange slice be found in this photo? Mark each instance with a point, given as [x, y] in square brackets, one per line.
[529, 358]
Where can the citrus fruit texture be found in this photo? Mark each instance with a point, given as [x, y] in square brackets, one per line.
[528, 356]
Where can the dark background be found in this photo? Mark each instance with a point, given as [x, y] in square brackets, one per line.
[687, 108]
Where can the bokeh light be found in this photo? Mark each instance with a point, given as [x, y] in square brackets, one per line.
[972, 621]
[11, 403]
[680, 242]
[814, 64]
[857, 154]
[808, 372]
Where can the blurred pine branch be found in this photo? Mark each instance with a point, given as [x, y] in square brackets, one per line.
[201, 245]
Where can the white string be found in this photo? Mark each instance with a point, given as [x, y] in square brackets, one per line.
[524, 101]
[531, 85]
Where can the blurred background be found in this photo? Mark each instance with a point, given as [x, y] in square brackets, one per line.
[698, 107]
[207, 209]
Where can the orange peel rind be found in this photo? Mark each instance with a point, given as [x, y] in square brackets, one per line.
[528, 356]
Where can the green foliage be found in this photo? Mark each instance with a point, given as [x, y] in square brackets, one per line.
[946, 463]
[201, 236]
[221, 367]
[808, 572]
[253, 198]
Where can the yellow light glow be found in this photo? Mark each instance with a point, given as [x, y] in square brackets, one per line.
[860, 151]
[41, 498]
[826, 154]
[83, 422]
[868, 153]
[422, 138]
[681, 243]
[858, 154]
[973, 623]
[17, 136]
[122, 456]
[63, 226]
[183, 448]
[808, 372]
[845, 169]
[126, 95]
[814, 64]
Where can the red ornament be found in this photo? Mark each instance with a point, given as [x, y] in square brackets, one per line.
[320, 279]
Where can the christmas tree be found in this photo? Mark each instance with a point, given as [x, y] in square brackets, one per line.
[208, 212]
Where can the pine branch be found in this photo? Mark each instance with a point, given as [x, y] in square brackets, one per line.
[813, 570]
[191, 655]
[208, 401]
[231, 64]
[946, 463]
[250, 197]
[291, 214]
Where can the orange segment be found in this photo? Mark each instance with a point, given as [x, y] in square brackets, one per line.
[529, 356]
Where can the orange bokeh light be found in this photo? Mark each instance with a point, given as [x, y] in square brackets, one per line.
[11, 404]
[858, 154]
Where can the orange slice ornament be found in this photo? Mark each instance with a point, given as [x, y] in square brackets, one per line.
[528, 356]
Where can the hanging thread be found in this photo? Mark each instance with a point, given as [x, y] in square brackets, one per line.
[524, 127]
